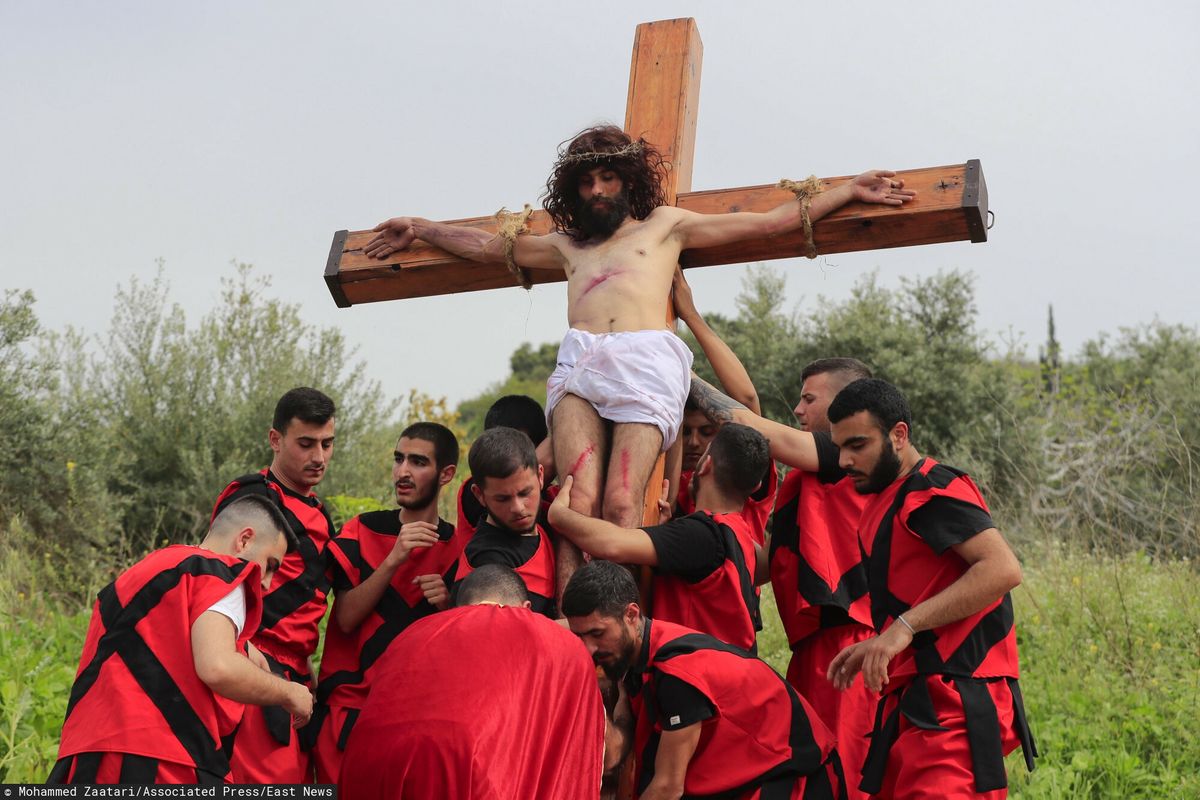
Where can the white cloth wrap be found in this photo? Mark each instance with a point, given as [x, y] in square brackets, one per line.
[632, 376]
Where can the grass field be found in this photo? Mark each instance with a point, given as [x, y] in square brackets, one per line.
[1110, 659]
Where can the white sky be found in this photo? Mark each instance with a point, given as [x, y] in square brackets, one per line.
[209, 132]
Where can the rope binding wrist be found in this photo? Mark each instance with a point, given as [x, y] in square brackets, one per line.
[805, 191]
[511, 225]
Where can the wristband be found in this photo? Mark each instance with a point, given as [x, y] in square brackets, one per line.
[900, 618]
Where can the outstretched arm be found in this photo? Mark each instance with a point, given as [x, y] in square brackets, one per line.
[597, 537]
[729, 369]
[396, 234]
[711, 230]
[793, 447]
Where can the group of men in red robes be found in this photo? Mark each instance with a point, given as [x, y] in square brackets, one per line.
[868, 540]
[890, 576]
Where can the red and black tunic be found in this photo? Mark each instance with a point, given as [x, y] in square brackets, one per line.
[471, 511]
[295, 603]
[817, 572]
[907, 533]
[820, 587]
[267, 749]
[136, 690]
[756, 510]
[705, 576]
[530, 556]
[348, 659]
[758, 734]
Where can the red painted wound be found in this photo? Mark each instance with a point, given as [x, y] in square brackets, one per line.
[583, 457]
[625, 469]
[599, 279]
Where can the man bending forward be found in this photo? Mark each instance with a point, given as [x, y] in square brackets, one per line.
[619, 245]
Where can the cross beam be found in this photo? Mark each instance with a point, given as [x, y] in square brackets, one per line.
[951, 206]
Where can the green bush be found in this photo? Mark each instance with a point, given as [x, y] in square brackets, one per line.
[529, 367]
[188, 408]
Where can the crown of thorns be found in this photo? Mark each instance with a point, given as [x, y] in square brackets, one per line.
[631, 149]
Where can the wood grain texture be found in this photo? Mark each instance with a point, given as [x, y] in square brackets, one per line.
[664, 95]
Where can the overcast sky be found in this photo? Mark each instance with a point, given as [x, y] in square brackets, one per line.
[203, 133]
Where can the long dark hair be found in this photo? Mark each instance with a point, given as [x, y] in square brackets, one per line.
[640, 166]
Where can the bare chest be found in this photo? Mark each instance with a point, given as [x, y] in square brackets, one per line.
[635, 255]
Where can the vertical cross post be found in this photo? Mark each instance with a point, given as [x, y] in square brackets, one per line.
[662, 107]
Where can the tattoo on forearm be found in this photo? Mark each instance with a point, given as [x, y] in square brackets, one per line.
[715, 404]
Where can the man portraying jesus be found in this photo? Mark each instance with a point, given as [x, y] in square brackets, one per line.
[616, 398]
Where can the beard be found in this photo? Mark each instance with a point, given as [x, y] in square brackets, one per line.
[619, 666]
[420, 501]
[599, 217]
[886, 470]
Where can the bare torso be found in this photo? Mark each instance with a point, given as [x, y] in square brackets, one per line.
[624, 282]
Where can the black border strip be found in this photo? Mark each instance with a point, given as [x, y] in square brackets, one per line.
[975, 201]
[333, 267]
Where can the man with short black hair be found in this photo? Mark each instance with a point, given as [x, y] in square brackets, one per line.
[817, 576]
[508, 484]
[816, 570]
[704, 563]
[711, 718]
[516, 411]
[153, 701]
[389, 570]
[939, 575]
[266, 749]
[492, 584]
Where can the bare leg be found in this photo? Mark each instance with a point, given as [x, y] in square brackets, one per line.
[671, 471]
[635, 450]
[580, 440]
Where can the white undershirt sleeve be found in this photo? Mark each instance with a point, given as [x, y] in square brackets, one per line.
[233, 605]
